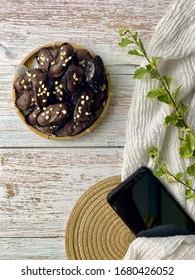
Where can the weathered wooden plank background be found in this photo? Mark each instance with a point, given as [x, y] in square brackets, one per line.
[40, 180]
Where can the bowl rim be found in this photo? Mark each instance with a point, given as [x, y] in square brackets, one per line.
[27, 61]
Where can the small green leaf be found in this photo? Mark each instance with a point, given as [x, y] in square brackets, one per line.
[153, 151]
[155, 60]
[139, 73]
[170, 179]
[123, 31]
[184, 129]
[161, 95]
[154, 74]
[191, 170]
[189, 194]
[166, 99]
[179, 176]
[154, 154]
[135, 36]
[189, 183]
[183, 109]
[175, 93]
[135, 52]
[155, 92]
[125, 42]
[149, 67]
[187, 149]
[182, 138]
[180, 123]
[170, 119]
[168, 81]
[160, 172]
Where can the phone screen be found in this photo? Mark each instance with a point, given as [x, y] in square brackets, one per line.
[144, 203]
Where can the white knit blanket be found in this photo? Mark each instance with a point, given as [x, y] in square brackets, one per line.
[174, 40]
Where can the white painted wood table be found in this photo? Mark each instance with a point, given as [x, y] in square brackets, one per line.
[40, 180]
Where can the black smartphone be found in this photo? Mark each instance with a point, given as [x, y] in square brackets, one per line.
[143, 202]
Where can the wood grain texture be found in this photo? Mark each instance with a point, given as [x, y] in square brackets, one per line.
[41, 180]
[32, 248]
[40, 187]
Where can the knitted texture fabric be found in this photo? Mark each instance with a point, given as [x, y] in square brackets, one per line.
[174, 41]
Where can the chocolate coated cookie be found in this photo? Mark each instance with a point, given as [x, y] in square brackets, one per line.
[32, 117]
[26, 100]
[74, 78]
[44, 58]
[83, 106]
[59, 64]
[53, 114]
[73, 128]
[82, 57]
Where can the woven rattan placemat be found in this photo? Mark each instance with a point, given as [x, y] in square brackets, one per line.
[94, 231]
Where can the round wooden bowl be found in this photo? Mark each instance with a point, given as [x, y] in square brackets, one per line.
[27, 61]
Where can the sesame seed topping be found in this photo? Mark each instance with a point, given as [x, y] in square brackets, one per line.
[87, 97]
[48, 93]
[44, 100]
[40, 82]
[82, 102]
[42, 114]
[47, 117]
[75, 77]
[82, 96]
[64, 112]
[56, 83]
[25, 87]
[34, 75]
[53, 62]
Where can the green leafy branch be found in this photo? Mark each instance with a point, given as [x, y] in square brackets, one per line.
[180, 177]
[164, 93]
